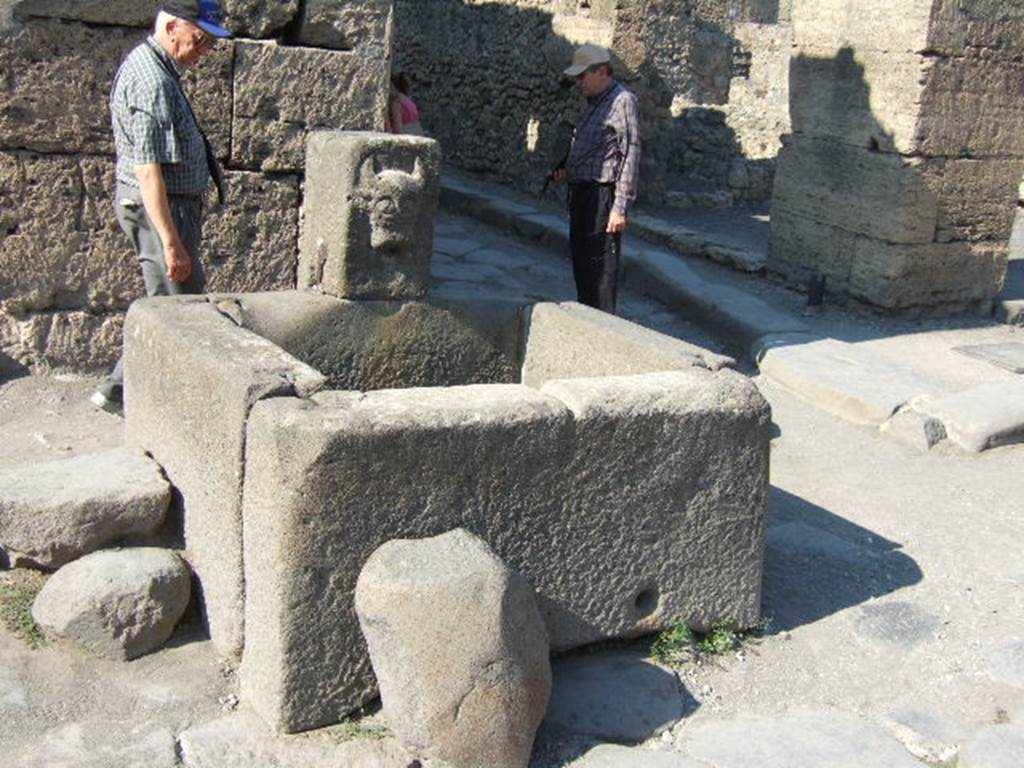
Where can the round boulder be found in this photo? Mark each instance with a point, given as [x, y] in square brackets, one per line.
[117, 604]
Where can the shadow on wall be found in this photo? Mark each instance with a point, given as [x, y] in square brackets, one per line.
[488, 78]
[868, 208]
[817, 563]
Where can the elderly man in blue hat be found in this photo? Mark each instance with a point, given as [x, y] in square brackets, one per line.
[602, 170]
[164, 162]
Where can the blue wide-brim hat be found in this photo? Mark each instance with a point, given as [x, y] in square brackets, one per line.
[205, 14]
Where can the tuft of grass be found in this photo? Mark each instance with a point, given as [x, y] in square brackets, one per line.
[358, 725]
[18, 590]
[679, 644]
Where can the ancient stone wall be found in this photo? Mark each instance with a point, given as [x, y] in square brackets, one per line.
[67, 273]
[901, 180]
[710, 74]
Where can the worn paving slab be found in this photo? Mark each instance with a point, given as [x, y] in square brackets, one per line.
[997, 746]
[618, 696]
[801, 739]
[843, 379]
[986, 416]
[617, 756]
[1008, 355]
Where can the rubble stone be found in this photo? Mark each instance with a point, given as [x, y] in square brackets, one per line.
[190, 415]
[368, 215]
[54, 512]
[458, 648]
[117, 604]
[600, 491]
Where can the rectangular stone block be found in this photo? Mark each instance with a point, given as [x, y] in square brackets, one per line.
[875, 194]
[995, 27]
[119, 13]
[613, 496]
[191, 377]
[864, 25]
[390, 344]
[281, 93]
[346, 25]
[573, 341]
[40, 109]
[368, 215]
[908, 102]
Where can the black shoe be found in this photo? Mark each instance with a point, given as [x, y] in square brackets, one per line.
[109, 403]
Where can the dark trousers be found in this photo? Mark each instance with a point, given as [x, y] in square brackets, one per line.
[149, 250]
[595, 253]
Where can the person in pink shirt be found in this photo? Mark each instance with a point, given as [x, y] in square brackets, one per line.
[403, 114]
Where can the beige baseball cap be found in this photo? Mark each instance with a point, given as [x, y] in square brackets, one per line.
[587, 56]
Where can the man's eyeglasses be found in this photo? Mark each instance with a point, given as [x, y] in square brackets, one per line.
[203, 41]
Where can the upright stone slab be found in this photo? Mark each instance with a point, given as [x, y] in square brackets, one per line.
[368, 215]
[899, 183]
[629, 502]
[191, 376]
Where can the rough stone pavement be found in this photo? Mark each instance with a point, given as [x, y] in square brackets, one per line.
[893, 593]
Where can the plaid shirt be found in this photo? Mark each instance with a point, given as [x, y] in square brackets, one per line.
[153, 123]
[606, 144]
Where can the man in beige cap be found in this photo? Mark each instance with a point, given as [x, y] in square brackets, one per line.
[601, 168]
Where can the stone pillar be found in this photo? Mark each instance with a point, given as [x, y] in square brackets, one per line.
[899, 183]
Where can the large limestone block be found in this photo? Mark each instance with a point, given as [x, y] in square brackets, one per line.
[60, 246]
[458, 648]
[54, 512]
[121, 13]
[280, 94]
[574, 341]
[56, 84]
[256, 18]
[895, 199]
[947, 27]
[117, 604]
[384, 345]
[628, 502]
[191, 376]
[251, 242]
[908, 102]
[368, 215]
[61, 341]
[949, 277]
[346, 25]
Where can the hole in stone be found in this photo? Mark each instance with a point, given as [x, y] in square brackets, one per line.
[873, 144]
[646, 601]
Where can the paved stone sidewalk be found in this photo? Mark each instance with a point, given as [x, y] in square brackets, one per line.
[862, 368]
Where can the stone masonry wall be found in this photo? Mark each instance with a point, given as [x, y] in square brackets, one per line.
[487, 76]
[901, 179]
[67, 273]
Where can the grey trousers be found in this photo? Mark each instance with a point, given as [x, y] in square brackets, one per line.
[187, 213]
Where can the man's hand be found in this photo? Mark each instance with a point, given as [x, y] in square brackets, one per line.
[179, 265]
[616, 223]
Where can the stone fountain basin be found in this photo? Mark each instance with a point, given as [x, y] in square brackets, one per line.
[623, 472]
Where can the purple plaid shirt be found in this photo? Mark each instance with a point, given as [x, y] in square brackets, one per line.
[606, 144]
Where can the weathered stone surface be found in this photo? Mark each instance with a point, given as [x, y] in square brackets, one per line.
[601, 492]
[956, 276]
[384, 345]
[121, 13]
[88, 744]
[994, 746]
[117, 604]
[191, 376]
[368, 215]
[346, 25]
[242, 740]
[54, 512]
[61, 341]
[618, 696]
[252, 18]
[914, 429]
[35, 112]
[983, 417]
[849, 381]
[1007, 354]
[615, 756]
[458, 648]
[251, 242]
[281, 93]
[60, 246]
[1006, 664]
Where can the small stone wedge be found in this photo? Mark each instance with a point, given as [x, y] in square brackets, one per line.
[55, 512]
[117, 604]
[458, 647]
